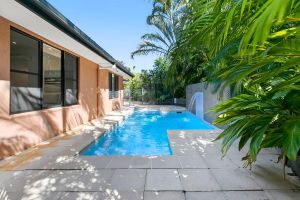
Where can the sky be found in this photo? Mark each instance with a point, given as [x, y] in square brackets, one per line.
[116, 25]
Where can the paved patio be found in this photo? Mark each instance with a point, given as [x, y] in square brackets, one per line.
[195, 171]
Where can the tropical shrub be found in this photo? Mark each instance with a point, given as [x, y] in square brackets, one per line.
[252, 47]
[149, 85]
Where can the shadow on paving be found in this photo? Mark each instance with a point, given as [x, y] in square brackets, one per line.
[195, 171]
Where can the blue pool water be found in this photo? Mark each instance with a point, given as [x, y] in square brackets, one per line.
[144, 133]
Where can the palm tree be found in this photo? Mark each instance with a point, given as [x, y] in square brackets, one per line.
[168, 17]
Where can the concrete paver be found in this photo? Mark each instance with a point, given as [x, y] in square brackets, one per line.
[36, 195]
[164, 195]
[193, 161]
[217, 195]
[195, 171]
[168, 162]
[246, 195]
[270, 178]
[80, 180]
[107, 195]
[119, 162]
[98, 162]
[140, 162]
[128, 180]
[163, 180]
[234, 179]
[198, 180]
[283, 194]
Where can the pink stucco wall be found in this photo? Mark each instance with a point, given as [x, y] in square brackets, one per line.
[105, 104]
[21, 131]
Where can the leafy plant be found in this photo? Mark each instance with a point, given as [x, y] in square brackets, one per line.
[249, 46]
[252, 47]
[151, 82]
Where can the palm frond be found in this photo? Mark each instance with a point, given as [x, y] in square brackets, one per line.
[148, 47]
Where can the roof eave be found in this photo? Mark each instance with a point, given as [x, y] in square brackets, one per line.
[46, 11]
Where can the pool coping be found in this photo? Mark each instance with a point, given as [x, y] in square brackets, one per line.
[212, 128]
[71, 143]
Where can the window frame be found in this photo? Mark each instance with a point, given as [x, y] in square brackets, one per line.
[40, 74]
[110, 85]
[61, 69]
[116, 86]
[77, 79]
[113, 84]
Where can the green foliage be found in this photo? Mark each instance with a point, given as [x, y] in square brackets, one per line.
[185, 69]
[134, 85]
[148, 85]
[168, 17]
[252, 47]
[249, 46]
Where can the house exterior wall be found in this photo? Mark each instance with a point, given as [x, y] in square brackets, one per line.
[21, 131]
[106, 105]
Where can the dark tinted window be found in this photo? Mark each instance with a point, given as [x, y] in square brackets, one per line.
[71, 79]
[111, 95]
[116, 92]
[41, 76]
[25, 73]
[113, 86]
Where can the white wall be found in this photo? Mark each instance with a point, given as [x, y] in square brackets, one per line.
[210, 99]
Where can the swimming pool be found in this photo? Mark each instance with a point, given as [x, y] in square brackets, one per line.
[145, 133]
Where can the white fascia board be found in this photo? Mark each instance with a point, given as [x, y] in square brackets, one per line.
[114, 69]
[15, 12]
